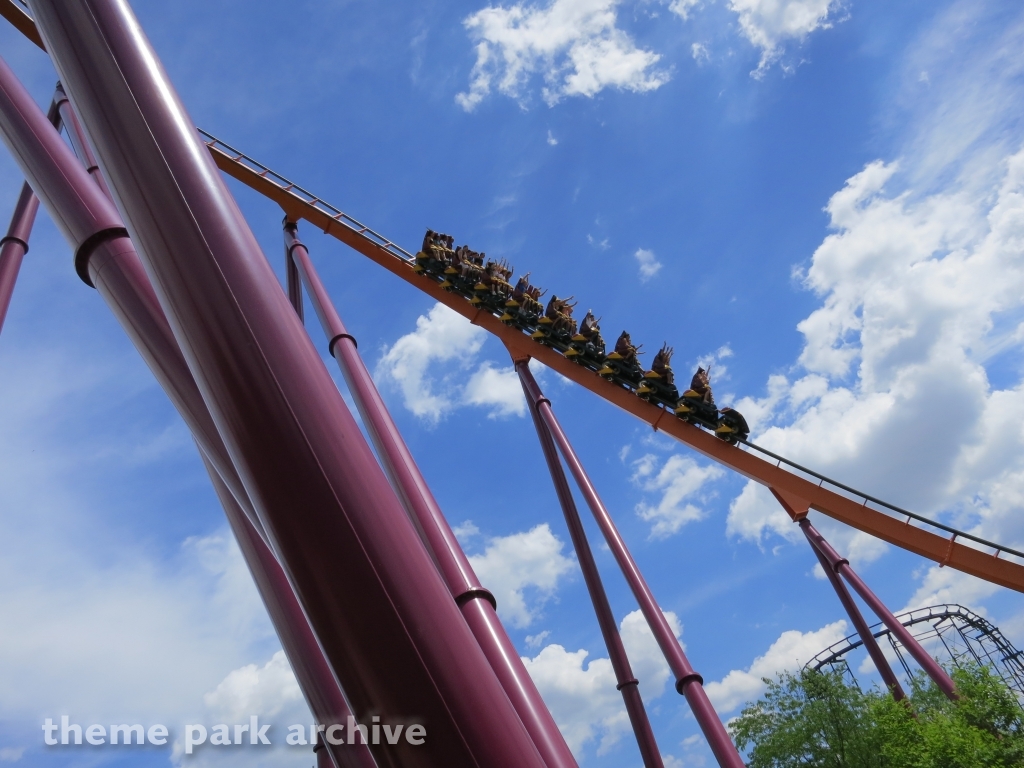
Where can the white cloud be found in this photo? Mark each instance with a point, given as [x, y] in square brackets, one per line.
[919, 293]
[574, 45]
[789, 653]
[528, 562]
[700, 53]
[441, 336]
[769, 24]
[582, 695]
[649, 264]
[11, 754]
[678, 480]
[429, 365]
[497, 390]
[682, 8]
[465, 531]
[267, 690]
[536, 641]
[552, 141]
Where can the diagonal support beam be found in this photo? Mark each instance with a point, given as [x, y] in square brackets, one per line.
[627, 684]
[14, 246]
[688, 682]
[863, 630]
[476, 603]
[840, 565]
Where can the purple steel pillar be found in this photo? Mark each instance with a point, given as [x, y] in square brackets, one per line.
[382, 614]
[881, 663]
[476, 603]
[78, 141]
[627, 684]
[106, 259]
[14, 246]
[323, 759]
[841, 566]
[324, 697]
[293, 282]
[688, 682]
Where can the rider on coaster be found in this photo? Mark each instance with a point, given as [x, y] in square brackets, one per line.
[701, 384]
[662, 365]
[625, 349]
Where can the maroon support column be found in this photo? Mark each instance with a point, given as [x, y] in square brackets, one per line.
[293, 283]
[476, 603]
[78, 140]
[315, 678]
[14, 246]
[841, 566]
[863, 630]
[106, 259]
[688, 682]
[383, 616]
[627, 684]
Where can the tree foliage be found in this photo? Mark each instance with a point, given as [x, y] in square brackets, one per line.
[819, 719]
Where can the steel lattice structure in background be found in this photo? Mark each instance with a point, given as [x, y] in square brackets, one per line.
[953, 633]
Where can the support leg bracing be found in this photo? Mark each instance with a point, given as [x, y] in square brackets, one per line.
[863, 630]
[383, 616]
[841, 566]
[14, 246]
[688, 682]
[475, 602]
[626, 683]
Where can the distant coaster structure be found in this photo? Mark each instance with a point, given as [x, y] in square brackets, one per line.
[952, 632]
[376, 605]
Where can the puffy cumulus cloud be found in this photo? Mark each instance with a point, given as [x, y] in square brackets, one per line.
[267, 689]
[645, 656]
[574, 45]
[892, 393]
[944, 585]
[683, 8]
[678, 479]
[499, 391]
[649, 264]
[441, 336]
[791, 651]
[770, 24]
[582, 695]
[513, 567]
[428, 365]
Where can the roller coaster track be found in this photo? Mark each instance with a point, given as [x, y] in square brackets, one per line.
[793, 486]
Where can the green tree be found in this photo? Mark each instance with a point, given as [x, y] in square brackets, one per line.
[819, 719]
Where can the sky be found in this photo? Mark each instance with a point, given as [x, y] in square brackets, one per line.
[824, 199]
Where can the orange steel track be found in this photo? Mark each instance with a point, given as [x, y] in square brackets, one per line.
[795, 493]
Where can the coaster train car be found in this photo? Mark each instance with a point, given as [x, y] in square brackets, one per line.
[488, 284]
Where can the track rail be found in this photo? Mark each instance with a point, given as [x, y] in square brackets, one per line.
[796, 493]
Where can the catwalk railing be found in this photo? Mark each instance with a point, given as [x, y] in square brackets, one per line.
[800, 493]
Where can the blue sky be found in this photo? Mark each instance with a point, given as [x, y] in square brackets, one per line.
[826, 199]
